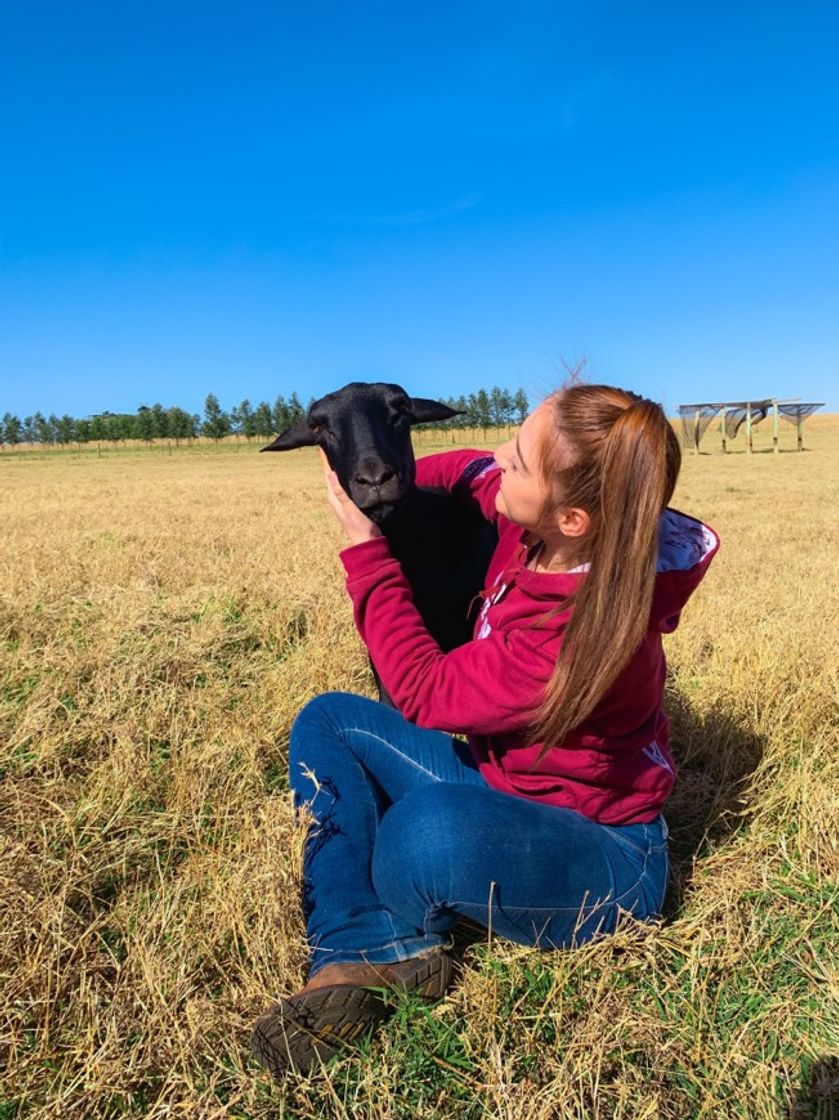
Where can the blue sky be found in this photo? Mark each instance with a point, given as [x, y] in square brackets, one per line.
[253, 198]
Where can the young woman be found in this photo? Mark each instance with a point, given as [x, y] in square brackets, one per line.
[545, 824]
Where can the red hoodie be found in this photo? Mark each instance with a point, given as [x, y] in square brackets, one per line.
[615, 767]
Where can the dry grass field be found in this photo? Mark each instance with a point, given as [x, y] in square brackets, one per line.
[163, 618]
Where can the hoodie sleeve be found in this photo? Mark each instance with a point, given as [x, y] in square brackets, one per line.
[471, 476]
[488, 686]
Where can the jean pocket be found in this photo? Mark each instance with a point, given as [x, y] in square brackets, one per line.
[637, 840]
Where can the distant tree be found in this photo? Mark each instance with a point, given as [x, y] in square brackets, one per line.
[173, 429]
[110, 428]
[483, 412]
[43, 428]
[496, 417]
[12, 430]
[144, 424]
[98, 429]
[496, 406]
[281, 415]
[246, 419]
[29, 433]
[83, 431]
[296, 411]
[119, 426]
[160, 421]
[263, 420]
[181, 424]
[65, 430]
[520, 406]
[216, 422]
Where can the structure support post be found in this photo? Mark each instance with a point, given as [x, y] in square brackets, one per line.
[722, 431]
[799, 435]
[748, 427]
[775, 446]
[696, 417]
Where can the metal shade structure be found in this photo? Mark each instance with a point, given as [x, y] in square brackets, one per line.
[734, 414]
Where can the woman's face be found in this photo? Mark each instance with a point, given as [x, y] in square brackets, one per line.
[522, 495]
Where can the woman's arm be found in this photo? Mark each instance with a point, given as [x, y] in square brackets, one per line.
[488, 686]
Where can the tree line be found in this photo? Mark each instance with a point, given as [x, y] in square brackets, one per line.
[493, 408]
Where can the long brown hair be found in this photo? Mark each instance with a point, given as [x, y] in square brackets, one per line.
[625, 462]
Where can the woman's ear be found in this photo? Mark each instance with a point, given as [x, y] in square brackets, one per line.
[573, 522]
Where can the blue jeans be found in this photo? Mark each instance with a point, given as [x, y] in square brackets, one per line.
[407, 836]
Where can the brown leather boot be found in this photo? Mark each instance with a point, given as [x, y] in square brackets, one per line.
[427, 976]
[339, 1005]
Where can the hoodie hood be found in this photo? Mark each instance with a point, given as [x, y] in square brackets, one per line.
[685, 549]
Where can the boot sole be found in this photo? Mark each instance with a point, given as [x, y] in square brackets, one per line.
[304, 1030]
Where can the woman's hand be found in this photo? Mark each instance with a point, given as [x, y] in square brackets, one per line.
[357, 525]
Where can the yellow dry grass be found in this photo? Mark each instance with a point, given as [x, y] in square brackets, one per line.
[164, 618]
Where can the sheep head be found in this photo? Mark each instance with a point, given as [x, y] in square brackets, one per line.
[365, 431]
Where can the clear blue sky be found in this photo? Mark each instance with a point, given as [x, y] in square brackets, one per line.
[252, 198]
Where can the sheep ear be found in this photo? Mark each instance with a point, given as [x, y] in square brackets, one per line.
[423, 411]
[298, 435]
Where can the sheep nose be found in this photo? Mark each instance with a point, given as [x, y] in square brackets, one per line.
[372, 477]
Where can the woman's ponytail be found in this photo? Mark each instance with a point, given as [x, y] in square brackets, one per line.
[626, 461]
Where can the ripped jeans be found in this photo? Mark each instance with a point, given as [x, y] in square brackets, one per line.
[407, 836]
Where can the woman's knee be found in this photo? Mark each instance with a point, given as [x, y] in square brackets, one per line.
[314, 734]
[332, 710]
[320, 735]
[421, 835]
[318, 717]
[322, 707]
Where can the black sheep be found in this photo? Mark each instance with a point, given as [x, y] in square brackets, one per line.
[443, 545]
